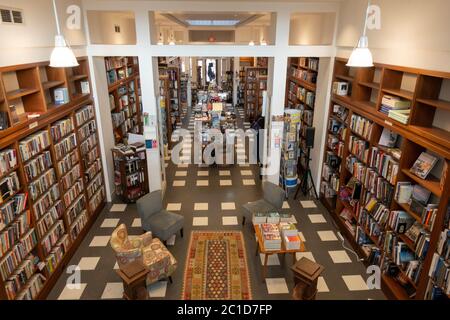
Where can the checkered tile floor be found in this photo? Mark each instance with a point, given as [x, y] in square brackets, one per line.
[211, 198]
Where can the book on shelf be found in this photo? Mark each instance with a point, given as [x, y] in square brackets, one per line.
[388, 138]
[401, 116]
[4, 122]
[13, 114]
[85, 88]
[61, 96]
[341, 88]
[395, 102]
[403, 191]
[423, 165]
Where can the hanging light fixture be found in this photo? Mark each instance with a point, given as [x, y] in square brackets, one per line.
[62, 55]
[263, 42]
[361, 55]
[172, 39]
[251, 43]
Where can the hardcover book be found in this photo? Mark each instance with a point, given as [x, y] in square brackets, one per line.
[423, 165]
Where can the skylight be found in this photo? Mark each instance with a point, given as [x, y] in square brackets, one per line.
[212, 22]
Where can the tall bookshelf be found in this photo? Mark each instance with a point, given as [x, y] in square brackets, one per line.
[124, 96]
[361, 178]
[169, 93]
[44, 205]
[255, 84]
[301, 94]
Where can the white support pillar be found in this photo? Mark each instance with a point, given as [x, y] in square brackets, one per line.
[148, 98]
[277, 78]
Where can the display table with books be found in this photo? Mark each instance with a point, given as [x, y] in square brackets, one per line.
[277, 238]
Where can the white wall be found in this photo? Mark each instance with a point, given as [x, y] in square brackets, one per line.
[34, 40]
[102, 27]
[312, 29]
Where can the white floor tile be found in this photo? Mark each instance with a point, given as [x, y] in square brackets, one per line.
[200, 206]
[113, 290]
[272, 260]
[137, 223]
[300, 234]
[307, 204]
[118, 208]
[99, 241]
[224, 173]
[110, 223]
[72, 293]
[285, 205]
[327, 235]
[157, 289]
[244, 165]
[202, 183]
[88, 263]
[307, 254]
[276, 285]
[116, 266]
[246, 172]
[339, 256]
[179, 183]
[173, 206]
[317, 218]
[228, 206]
[248, 182]
[200, 221]
[180, 173]
[166, 165]
[202, 173]
[225, 183]
[355, 283]
[183, 165]
[322, 285]
[230, 221]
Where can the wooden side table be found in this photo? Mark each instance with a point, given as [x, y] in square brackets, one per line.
[306, 275]
[135, 287]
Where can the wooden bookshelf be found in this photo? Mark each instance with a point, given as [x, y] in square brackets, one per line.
[301, 94]
[255, 84]
[58, 126]
[125, 99]
[424, 89]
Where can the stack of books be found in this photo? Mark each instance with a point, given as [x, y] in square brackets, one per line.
[290, 236]
[271, 236]
[390, 103]
[401, 116]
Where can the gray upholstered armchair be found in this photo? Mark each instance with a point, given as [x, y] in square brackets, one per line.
[162, 223]
[273, 197]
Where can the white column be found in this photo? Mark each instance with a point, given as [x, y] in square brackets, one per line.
[235, 79]
[277, 78]
[149, 102]
[104, 123]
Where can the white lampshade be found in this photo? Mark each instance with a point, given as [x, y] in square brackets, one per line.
[263, 42]
[62, 56]
[251, 43]
[361, 55]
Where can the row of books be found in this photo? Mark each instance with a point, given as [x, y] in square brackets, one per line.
[69, 179]
[9, 185]
[43, 183]
[335, 145]
[61, 128]
[12, 208]
[75, 190]
[304, 75]
[361, 126]
[49, 218]
[67, 163]
[65, 146]
[84, 115]
[10, 261]
[57, 253]
[52, 236]
[14, 231]
[93, 169]
[385, 164]
[359, 148]
[97, 182]
[97, 199]
[37, 166]
[34, 144]
[76, 209]
[337, 128]
[271, 217]
[8, 160]
[19, 278]
[88, 144]
[310, 63]
[78, 225]
[87, 129]
[329, 188]
[46, 201]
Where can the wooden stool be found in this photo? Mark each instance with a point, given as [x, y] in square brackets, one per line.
[134, 288]
[306, 275]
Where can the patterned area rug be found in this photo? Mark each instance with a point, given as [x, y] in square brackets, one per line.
[216, 267]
